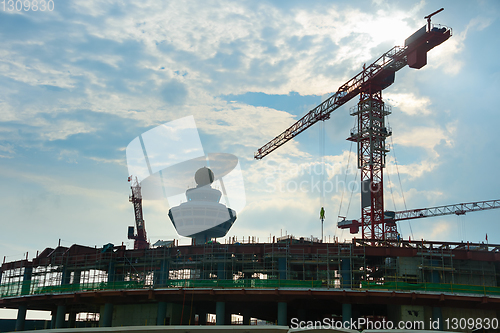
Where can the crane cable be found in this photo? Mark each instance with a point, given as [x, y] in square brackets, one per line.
[392, 192]
[461, 227]
[322, 155]
[343, 190]
[350, 199]
[322, 173]
[393, 200]
[464, 228]
[345, 182]
[399, 177]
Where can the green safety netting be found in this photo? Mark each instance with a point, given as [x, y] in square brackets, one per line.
[17, 289]
[245, 283]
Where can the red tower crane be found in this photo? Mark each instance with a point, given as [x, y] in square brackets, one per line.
[371, 131]
[140, 240]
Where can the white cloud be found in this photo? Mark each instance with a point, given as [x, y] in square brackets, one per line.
[22, 68]
[413, 170]
[440, 231]
[70, 156]
[411, 195]
[254, 123]
[63, 129]
[8, 148]
[117, 161]
[226, 28]
[409, 103]
[445, 56]
[433, 229]
[59, 186]
[426, 137]
[218, 29]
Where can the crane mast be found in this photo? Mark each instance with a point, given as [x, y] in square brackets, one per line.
[140, 239]
[370, 132]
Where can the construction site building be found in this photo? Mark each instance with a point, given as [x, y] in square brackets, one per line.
[242, 283]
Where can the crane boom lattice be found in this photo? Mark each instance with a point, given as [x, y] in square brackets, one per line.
[390, 62]
[456, 209]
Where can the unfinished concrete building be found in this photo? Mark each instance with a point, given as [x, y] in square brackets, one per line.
[242, 283]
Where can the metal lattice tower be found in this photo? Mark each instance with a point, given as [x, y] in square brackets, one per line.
[140, 239]
[370, 134]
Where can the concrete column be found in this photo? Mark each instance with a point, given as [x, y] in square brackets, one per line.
[301, 314]
[53, 314]
[227, 318]
[221, 273]
[434, 276]
[437, 316]
[346, 312]
[119, 277]
[161, 275]
[220, 310]
[111, 274]
[26, 286]
[107, 317]
[246, 316]
[61, 316]
[21, 317]
[162, 313]
[346, 273]
[282, 268]
[282, 315]
[77, 274]
[72, 319]
[66, 276]
[202, 317]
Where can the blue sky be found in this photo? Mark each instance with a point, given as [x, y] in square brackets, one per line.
[77, 84]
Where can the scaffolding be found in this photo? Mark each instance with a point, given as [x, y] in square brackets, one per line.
[287, 263]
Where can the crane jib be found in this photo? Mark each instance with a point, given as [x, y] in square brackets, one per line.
[379, 75]
[455, 209]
